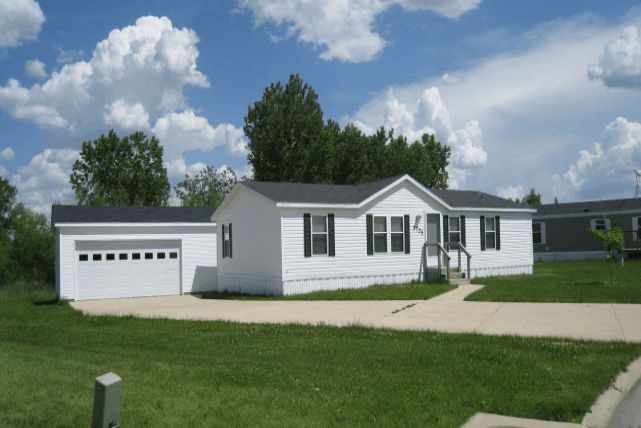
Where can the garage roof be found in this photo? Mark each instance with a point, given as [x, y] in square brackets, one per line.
[85, 214]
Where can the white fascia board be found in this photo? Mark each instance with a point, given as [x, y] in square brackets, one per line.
[133, 224]
[587, 214]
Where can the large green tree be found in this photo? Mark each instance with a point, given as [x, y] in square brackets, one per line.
[208, 188]
[7, 201]
[287, 136]
[125, 171]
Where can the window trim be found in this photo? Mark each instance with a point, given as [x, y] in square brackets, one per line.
[402, 233]
[326, 233]
[374, 233]
[493, 231]
[540, 232]
[606, 222]
[449, 229]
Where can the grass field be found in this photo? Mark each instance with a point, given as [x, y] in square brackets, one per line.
[567, 282]
[410, 291]
[186, 373]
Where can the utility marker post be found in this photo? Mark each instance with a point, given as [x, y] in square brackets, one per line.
[106, 402]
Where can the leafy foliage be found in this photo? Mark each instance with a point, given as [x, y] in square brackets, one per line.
[208, 188]
[290, 141]
[612, 240]
[124, 171]
[532, 199]
[7, 201]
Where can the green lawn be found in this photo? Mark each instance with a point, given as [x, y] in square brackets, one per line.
[188, 373]
[409, 291]
[570, 282]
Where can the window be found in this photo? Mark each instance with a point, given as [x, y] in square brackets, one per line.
[149, 256]
[380, 234]
[160, 256]
[227, 240]
[397, 235]
[111, 256]
[319, 235]
[538, 233]
[173, 255]
[454, 224]
[600, 224]
[96, 257]
[135, 256]
[123, 256]
[490, 233]
[83, 257]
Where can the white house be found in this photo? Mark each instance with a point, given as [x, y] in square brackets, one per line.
[288, 238]
[107, 252]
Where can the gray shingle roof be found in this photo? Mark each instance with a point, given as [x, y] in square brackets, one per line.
[85, 214]
[354, 194]
[590, 206]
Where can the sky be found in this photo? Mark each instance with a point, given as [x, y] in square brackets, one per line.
[543, 94]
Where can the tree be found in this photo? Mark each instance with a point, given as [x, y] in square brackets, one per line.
[7, 201]
[287, 136]
[612, 240]
[208, 188]
[532, 199]
[124, 171]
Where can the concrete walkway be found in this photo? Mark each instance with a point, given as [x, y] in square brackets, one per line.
[445, 313]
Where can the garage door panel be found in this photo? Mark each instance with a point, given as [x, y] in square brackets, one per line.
[134, 270]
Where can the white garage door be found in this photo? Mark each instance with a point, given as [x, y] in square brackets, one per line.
[127, 269]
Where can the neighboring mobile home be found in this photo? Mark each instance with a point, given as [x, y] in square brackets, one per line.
[107, 252]
[289, 238]
[561, 231]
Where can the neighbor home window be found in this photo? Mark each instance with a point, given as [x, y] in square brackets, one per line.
[397, 234]
[454, 229]
[600, 224]
[490, 233]
[380, 234]
[319, 234]
[538, 233]
[227, 240]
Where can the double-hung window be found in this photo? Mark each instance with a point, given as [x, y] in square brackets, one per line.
[319, 235]
[397, 235]
[538, 233]
[600, 224]
[380, 234]
[227, 241]
[454, 229]
[490, 233]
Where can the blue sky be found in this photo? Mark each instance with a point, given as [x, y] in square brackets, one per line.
[542, 94]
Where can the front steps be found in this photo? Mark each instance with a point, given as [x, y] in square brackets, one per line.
[456, 276]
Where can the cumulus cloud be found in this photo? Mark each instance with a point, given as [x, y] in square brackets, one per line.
[343, 28]
[607, 169]
[620, 63]
[428, 113]
[510, 192]
[20, 21]
[7, 153]
[35, 68]
[120, 114]
[45, 179]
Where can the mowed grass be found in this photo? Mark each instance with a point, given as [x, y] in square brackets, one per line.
[567, 282]
[188, 373]
[409, 291]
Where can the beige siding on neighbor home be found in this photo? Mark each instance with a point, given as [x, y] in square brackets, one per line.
[255, 266]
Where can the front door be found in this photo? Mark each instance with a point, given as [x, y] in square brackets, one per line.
[432, 232]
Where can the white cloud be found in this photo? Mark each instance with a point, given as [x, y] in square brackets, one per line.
[343, 28]
[428, 113]
[607, 169]
[35, 68]
[20, 21]
[186, 131]
[45, 179]
[3, 171]
[7, 153]
[177, 169]
[510, 192]
[125, 116]
[620, 63]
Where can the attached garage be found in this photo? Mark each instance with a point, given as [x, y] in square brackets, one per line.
[107, 252]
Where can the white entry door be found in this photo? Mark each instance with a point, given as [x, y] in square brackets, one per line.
[111, 269]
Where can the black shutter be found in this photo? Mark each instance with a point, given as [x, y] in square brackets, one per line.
[463, 230]
[370, 235]
[497, 228]
[331, 245]
[482, 233]
[230, 241]
[406, 229]
[446, 229]
[307, 234]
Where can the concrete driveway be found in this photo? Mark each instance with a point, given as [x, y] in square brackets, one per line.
[445, 313]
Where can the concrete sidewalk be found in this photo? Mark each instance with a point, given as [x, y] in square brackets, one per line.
[445, 313]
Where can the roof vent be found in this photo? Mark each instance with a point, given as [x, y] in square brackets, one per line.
[585, 210]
